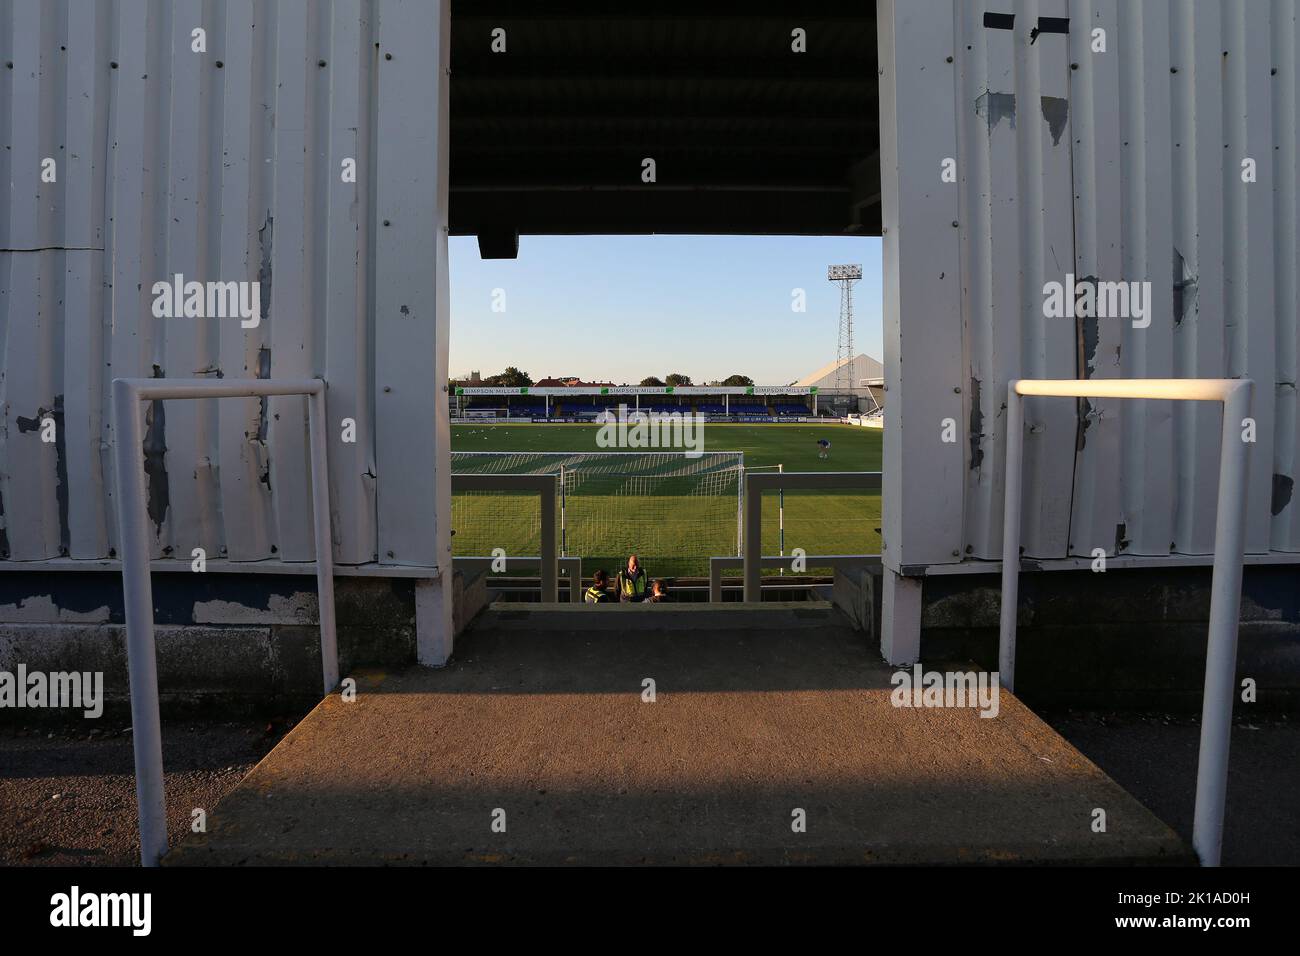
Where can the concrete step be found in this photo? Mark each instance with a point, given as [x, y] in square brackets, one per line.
[543, 717]
[506, 616]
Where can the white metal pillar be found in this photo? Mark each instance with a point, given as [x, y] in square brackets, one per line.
[412, 446]
[412, 304]
[900, 619]
[923, 475]
[434, 622]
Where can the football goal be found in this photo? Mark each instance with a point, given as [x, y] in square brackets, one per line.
[671, 509]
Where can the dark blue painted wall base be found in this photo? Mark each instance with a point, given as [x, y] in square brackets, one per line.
[1126, 639]
[225, 642]
[1130, 639]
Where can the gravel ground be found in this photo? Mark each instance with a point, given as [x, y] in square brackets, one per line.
[1153, 757]
[67, 798]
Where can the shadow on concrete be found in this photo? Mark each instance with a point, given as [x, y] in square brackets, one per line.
[906, 821]
[615, 650]
[554, 729]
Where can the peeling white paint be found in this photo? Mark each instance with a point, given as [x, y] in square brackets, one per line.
[41, 609]
[299, 608]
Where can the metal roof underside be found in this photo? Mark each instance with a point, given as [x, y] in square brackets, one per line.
[748, 136]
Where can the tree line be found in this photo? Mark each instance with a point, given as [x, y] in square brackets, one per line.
[516, 378]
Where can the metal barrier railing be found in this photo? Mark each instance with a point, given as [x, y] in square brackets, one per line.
[720, 564]
[570, 568]
[1225, 585]
[137, 588]
[755, 485]
[546, 487]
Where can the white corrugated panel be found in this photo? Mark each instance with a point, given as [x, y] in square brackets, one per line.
[219, 165]
[1118, 165]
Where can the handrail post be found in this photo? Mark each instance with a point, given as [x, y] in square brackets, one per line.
[1234, 395]
[756, 484]
[1011, 539]
[1221, 645]
[320, 499]
[137, 599]
[137, 586]
[753, 539]
[550, 554]
[571, 570]
[546, 487]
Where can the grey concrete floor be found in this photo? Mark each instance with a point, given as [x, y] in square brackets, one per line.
[541, 723]
[67, 798]
[1153, 756]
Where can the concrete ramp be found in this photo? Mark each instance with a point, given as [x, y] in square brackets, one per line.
[541, 722]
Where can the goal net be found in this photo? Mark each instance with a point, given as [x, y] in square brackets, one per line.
[672, 510]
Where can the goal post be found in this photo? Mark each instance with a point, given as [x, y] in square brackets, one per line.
[674, 509]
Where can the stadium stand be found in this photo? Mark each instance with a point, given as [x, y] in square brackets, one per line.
[519, 410]
[749, 408]
[792, 409]
[594, 406]
[594, 411]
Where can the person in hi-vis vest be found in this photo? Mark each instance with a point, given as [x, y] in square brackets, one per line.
[632, 581]
[596, 594]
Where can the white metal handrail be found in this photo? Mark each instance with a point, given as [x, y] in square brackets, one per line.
[718, 564]
[755, 485]
[570, 568]
[137, 587]
[546, 487]
[1225, 585]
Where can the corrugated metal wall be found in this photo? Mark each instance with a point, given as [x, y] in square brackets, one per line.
[1201, 86]
[1123, 164]
[1120, 165]
[218, 165]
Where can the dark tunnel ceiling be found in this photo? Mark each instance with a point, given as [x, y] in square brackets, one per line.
[748, 137]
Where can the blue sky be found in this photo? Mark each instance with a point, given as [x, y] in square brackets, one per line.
[624, 307]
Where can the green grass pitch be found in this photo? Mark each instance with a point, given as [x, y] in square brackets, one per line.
[817, 522]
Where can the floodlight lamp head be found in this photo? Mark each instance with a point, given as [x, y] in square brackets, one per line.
[834, 273]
